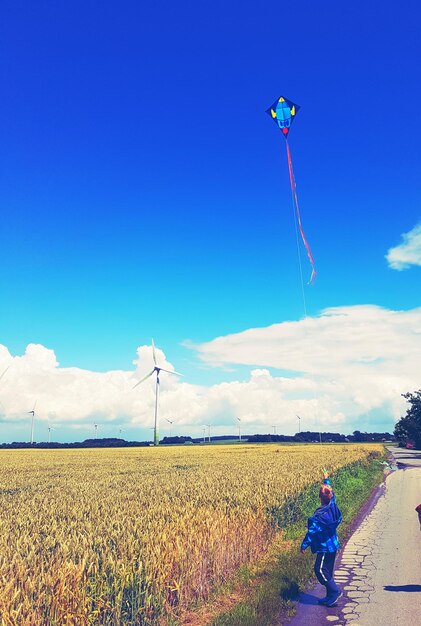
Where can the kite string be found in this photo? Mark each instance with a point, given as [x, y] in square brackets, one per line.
[293, 195]
[298, 215]
[297, 224]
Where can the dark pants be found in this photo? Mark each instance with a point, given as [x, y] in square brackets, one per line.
[323, 568]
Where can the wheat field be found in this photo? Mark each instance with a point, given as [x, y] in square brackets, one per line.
[130, 536]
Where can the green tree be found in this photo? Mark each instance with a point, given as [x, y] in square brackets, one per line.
[358, 436]
[409, 426]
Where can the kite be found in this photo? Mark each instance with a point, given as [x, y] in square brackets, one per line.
[283, 112]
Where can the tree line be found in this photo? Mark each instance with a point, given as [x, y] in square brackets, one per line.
[408, 428]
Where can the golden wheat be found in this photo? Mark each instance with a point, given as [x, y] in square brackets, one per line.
[127, 536]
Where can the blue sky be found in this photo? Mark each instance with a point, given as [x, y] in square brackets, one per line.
[145, 192]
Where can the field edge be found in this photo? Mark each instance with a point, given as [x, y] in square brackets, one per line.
[262, 594]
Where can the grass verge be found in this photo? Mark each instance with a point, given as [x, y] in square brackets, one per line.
[270, 585]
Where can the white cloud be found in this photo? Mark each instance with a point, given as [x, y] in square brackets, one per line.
[348, 361]
[72, 395]
[342, 370]
[408, 252]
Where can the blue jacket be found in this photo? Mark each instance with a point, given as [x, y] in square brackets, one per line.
[321, 534]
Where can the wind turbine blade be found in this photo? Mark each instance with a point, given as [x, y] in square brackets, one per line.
[153, 352]
[144, 378]
[35, 405]
[4, 372]
[171, 372]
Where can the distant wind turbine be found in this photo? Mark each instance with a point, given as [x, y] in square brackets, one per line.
[156, 369]
[32, 422]
[171, 422]
[299, 423]
[50, 428]
[239, 428]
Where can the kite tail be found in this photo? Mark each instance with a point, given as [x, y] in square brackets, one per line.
[297, 212]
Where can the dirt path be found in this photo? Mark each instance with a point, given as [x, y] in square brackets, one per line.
[379, 568]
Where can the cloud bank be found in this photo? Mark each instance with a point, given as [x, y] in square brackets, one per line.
[408, 252]
[343, 369]
[343, 364]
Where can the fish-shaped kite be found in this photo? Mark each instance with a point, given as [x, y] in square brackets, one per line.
[283, 112]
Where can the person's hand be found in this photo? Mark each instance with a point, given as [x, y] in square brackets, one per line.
[302, 551]
[325, 473]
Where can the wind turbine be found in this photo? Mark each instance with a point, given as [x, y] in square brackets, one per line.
[239, 428]
[274, 430]
[171, 422]
[32, 422]
[50, 428]
[156, 369]
[299, 423]
[95, 430]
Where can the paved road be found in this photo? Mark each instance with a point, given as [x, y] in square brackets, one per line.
[380, 566]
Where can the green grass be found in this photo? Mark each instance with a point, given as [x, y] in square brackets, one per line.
[278, 584]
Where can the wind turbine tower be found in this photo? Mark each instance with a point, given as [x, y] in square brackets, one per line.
[32, 422]
[239, 428]
[50, 428]
[156, 369]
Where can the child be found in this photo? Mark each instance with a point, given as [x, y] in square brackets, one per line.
[322, 538]
[418, 510]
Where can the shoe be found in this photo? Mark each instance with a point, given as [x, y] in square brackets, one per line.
[331, 600]
[323, 600]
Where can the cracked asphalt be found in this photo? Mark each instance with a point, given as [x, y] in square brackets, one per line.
[379, 568]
